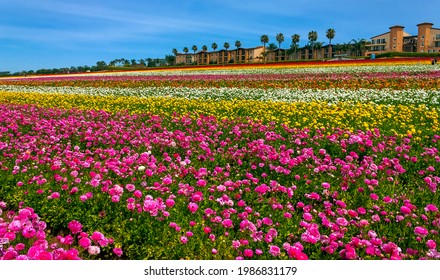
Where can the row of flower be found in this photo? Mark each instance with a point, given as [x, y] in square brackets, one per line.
[394, 80]
[418, 120]
[213, 188]
[331, 95]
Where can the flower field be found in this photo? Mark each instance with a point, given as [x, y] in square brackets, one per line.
[322, 160]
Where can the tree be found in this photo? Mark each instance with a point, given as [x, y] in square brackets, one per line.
[318, 47]
[101, 65]
[185, 50]
[170, 59]
[330, 34]
[214, 46]
[264, 40]
[175, 52]
[280, 39]
[204, 48]
[237, 45]
[295, 45]
[226, 45]
[194, 48]
[312, 36]
[358, 46]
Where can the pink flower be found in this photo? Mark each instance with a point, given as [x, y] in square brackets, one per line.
[183, 239]
[55, 195]
[192, 207]
[227, 223]
[201, 183]
[307, 216]
[43, 255]
[169, 203]
[117, 251]
[74, 226]
[85, 242]
[262, 189]
[431, 244]
[374, 196]
[431, 208]
[248, 253]
[167, 181]
[214, 251]
[207, 230]
[94, 250]
[421, 231]
[342, 222]
[130, 187]
[96, 236]
[19, 246]
[274, 250]
[405, 210]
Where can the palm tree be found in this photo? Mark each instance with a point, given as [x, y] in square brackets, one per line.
[214, 46]
[330, 34]
[264, 40]
[194, 48]
[226, 46]
[358, 46]
[175, 52]
[205, 49]
[295, 41]
[237, 45]
[313, 36]
[280, 38]
[318, 47]
[185, 50]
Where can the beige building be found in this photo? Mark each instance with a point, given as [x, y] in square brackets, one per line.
[397, 40]
[428, 38]
[241, 55]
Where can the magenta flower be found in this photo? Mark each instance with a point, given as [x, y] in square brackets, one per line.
[248, 253]
[431, 208]
[96, 236]
[421, 231]
[74, 227]
[274, 250]
[192, 207]
[85, 242]
[405, 210]
[431, 244]
[183, 239]
[167, 181]
[117, 251]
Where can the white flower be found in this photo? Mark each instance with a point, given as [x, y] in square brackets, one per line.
[141, 168]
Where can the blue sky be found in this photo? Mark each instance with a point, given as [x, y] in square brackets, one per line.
[63, 33]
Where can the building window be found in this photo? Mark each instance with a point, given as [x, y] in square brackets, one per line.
[394, 46]
[437, 36]
[422, 44]
[382, 41]
[373, 42]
